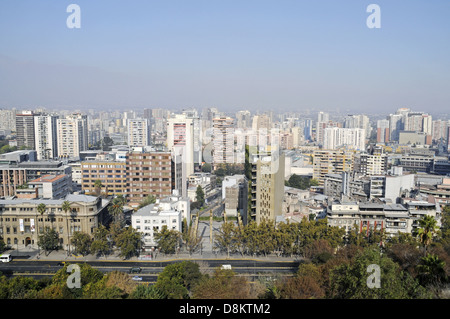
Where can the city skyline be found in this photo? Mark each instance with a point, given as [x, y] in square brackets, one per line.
[258, 56]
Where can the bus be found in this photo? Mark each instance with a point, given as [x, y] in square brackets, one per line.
[5, 258]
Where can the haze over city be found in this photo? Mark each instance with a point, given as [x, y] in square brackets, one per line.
[255, 55]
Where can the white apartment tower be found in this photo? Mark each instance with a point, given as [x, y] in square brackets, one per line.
[352, 138]
[138, 132]
[223, 130]
[45, 136]
[72, 135]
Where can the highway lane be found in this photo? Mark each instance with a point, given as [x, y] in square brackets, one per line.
[252, 269]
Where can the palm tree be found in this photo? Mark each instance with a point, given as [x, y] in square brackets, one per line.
[41, 208]
[427, 228]
[98, 187]
[66, 208]
[116, 209]
[121, 199]
[431, 271]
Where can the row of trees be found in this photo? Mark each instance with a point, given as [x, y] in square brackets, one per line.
[287, 239]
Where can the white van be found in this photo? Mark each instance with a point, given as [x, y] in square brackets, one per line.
[5, 258]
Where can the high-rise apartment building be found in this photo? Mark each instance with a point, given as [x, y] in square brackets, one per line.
[138, 132]
[352, 138]
[8, 120]
[112, 175]
[261, 122]
[331, 161]
[223, 142]
[72, 135]
[25, 129]
[418, 122]
[439, 130]
[45, 137]
[148, 173]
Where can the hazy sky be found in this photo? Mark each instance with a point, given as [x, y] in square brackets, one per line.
[246, 54]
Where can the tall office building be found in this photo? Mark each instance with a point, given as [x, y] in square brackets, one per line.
[323, 117]
[45, 136]
[395, 126]
[72, 135]
[269, 187]
[25, 129]
[197, 134]
[448, 138]
[180, 140]
[223, 130]
[243, 120]
[383, 131]
[138, 132]
[307, 133]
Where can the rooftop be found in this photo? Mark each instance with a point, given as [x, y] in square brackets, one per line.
[48, 178]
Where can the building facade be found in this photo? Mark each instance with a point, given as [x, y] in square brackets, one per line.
[72, 135]
[148, 173]
[21, 223]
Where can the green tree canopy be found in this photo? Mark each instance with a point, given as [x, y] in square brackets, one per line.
[177, 280]
[168, 240]
[81, 242]
[350, 280]
[48, 240]
[200, 196]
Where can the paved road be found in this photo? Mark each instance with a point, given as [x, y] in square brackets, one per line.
[252, 269]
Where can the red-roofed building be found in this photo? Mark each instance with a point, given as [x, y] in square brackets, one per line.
[52, 186]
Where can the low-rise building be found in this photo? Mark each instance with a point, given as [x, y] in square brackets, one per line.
[52, 186]
[21, 223]
[152, 218]
[393, 218]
